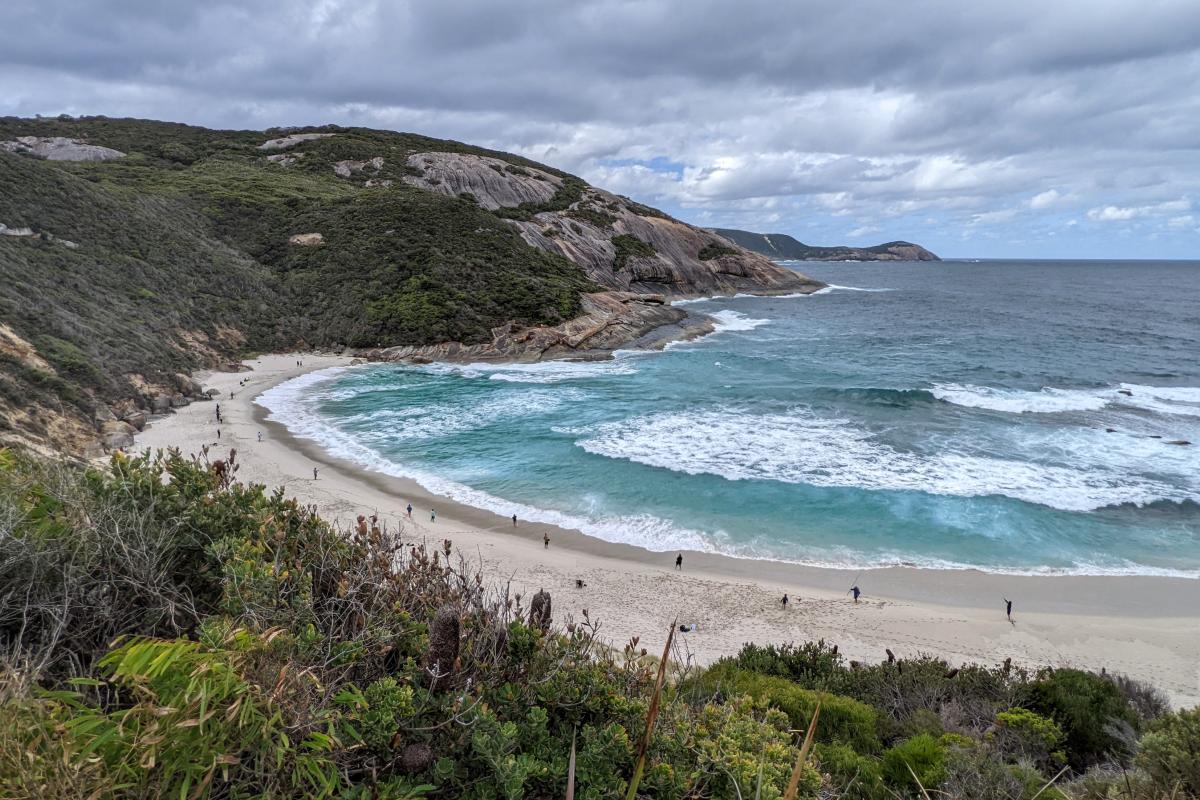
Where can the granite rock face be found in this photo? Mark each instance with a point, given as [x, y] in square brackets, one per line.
[609, 320]
[291, 140]
[681, 261]
[59, 148]
[494, 183]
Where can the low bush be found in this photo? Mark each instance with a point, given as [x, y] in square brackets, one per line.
[1091, 711]
[630, 247]
[842, 719]
[1170, 752]
[915, 764]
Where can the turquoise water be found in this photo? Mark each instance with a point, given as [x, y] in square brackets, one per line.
[1011, 416]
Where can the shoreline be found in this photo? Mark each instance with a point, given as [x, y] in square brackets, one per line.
[1142, 626]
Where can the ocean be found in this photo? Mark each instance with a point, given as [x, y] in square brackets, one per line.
[1009, 416]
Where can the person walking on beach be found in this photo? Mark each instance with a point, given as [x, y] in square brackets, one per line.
[409, 510]
[855, 591]
[785, 600]
[260, 436]
[433, 515]
[679, 561]
[1008, 610]
[546, 540]
[314, 473]
[514, 520]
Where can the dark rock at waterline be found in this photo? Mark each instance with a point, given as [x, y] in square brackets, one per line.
[1179, 442]
[1125, 392]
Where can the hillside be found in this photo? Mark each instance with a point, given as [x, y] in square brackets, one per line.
[133, 252]
[784, 247]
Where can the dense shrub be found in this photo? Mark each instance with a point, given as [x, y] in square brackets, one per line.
[921, 758]
[842, 719]
[855, 776]
[1025, 735]
[712, 250]
[1091, 711]
[630, 247]
[1170, 752]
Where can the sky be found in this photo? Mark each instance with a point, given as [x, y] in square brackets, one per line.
[1063, 129]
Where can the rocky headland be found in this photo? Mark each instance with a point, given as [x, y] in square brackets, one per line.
[783, 247]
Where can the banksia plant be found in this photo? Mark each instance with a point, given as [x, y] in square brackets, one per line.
[539, 611]
[442, 654]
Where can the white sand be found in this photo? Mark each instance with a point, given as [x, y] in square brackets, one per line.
[1148, 628]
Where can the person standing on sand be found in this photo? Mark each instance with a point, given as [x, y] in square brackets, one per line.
[855, 591]
[546, 540]
[433, 515]
[314, 473]
[260, 436]
[785, 600]
[1008, 610]
[514, 520]
[679, 561]
[409, 510]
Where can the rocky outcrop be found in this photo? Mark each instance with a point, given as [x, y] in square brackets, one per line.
[782, 246]
[291, 140]
[681, 261]
[59, 148]
[493, 183]
[28, 233]
[14, 346]
[586, 234]
[307, 239]
[346, 169]
[116, 434]
[610, 320]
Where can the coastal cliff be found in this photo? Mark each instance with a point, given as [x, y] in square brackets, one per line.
[135, 252]
[782, 246]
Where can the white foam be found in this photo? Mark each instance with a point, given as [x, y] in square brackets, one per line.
[798, 447]
[835, 287]
[1045, 401]
[1175, 400]
[735, 321]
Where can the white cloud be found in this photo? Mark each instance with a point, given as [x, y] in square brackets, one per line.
[1125, 213]
[993, 217]
[1044, 199]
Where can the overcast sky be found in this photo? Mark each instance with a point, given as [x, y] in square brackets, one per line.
[1055, 128]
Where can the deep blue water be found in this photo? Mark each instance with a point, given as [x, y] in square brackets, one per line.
[953, 414]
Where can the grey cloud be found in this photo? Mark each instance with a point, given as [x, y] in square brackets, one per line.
[898, 110]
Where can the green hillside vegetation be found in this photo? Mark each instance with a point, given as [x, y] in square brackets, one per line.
[183, 261]
[166, 631]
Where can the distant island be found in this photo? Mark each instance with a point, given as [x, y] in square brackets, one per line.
[782, 246]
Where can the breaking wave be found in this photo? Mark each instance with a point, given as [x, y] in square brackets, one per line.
[800, 447]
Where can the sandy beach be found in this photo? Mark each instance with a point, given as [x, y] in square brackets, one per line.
[1145, 627]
